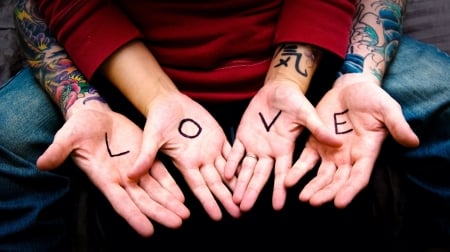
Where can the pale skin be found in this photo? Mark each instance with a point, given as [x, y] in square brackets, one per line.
[207, 162]
[201, 158]
[103, 143]
[156, 197]
[272, 122]
[368, 115]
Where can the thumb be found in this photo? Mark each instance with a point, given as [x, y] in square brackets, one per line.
[399, 128]
[143, 162]
[321, 132]
[53, 157]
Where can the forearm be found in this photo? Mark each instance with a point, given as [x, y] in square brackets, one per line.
[295, 62]
[375, 35]
[137, 74]
[49, 62]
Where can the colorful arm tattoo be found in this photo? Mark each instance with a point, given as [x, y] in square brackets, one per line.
[48, 61]
[376, 32]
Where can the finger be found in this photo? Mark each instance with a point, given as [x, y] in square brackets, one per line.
[199, 188]
[163, 197]
[57, 152]
[162, 175]
[307, 160]
[399, 127]
[245, 175]
[328, 193]
[358, 180]
[145, 159]
[324, 176]
[152, 209]
[220, 163]
[220, 190]
[260, 177]
[125, 207]
[321, 132]
[317, 128]
[53, 157]
[282, 166]
[226, 150]
[234, 158]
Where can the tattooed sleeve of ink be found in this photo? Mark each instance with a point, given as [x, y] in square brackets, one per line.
[49, 62]
[375, 35]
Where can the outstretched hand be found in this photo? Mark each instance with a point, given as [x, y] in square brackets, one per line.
[183, 130]
[266, 138]
[105, 144]
[362, 114]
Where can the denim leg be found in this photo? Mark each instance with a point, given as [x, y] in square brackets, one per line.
[419, 79]
[31, 201]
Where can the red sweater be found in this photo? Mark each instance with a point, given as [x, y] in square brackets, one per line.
[213, 50]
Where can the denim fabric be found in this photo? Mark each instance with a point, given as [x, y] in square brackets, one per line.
[32, 206]
[419, 79]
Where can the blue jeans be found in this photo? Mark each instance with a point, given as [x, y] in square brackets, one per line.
[419, 79]
[33, 202]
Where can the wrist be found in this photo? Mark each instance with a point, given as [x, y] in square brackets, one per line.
[355, 63]
[294, 63]
[356, 78]
[87, 101]
[138, 75]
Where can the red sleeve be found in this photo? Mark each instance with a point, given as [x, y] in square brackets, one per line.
[322, 23]
[90, 31]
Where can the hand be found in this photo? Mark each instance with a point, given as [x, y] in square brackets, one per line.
[266, 138]
[104, 144]
[183, 130]
[362, 114]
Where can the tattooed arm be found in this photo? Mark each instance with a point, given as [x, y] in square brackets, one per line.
[100, 141]
[50, 63]
[376, 33]
[359, 111]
